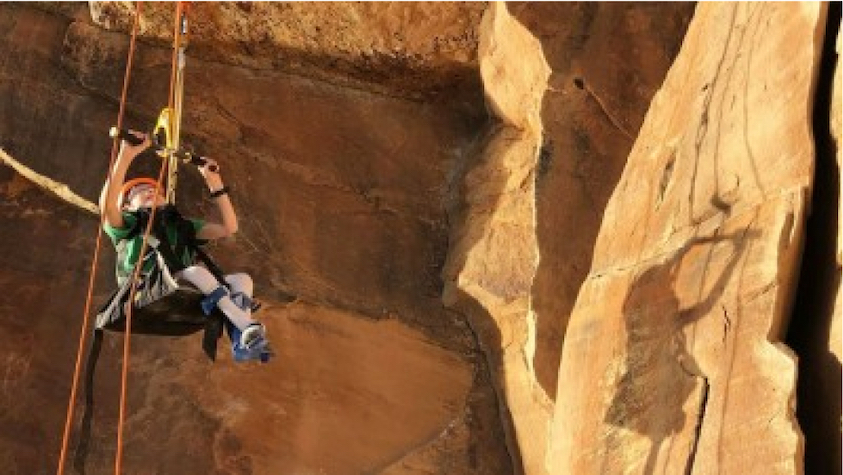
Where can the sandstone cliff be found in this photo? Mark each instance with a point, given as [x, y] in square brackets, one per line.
[540, 238]
[695, 266]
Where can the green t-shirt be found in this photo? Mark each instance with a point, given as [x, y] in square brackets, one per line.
[133, 246]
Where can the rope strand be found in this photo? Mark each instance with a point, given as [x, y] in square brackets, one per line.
[127, 333]
[176, 44]
[138, 266]
[83, 337]
[171, 101]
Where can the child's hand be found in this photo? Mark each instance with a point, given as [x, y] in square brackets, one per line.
[132, 151]
[210, 171]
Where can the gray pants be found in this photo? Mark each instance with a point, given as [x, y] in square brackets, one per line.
[202, 279]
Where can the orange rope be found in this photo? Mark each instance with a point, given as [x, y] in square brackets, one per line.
[83, 337]
[128, 331]
[138, 266]
[171, 98]
[176, 44]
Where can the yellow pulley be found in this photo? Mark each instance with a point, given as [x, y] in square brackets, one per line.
[165, 137]
[163, 133]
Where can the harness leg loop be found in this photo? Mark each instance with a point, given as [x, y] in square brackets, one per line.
[211, 300]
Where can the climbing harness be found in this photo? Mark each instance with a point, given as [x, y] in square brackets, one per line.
[161, 305]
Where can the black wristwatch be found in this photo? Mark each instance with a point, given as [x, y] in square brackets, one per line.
[222, 191]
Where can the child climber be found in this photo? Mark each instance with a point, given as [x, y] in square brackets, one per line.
[122, 204]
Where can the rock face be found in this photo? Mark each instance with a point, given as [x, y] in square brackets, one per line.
[41, 288]
[340, 195]
[607, 61]
[815, 330]
[530, 205]
[476, 255]
[486, 277]
[835, 344]
[408, 49]
[694, 268]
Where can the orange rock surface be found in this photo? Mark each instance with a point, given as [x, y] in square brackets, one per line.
[490, 238]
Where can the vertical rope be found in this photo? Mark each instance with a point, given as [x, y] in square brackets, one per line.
[172, 102]
[83, 337]
[118, 463]
[127, 333]
[176, 44]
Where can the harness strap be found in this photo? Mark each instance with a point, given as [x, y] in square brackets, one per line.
[209, 263]
[188, 241]
[209, 303]
[161, 244]
[173, 262]
[82, 448]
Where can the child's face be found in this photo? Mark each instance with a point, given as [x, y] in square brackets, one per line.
[143, 196]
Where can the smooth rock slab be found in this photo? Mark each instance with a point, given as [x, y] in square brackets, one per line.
[671, 362]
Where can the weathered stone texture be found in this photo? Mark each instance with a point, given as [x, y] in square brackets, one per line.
[532, 202]
[364, 387]
[41, 285]
[607, 61]
[385, 159]
[493, 257]
[324, 179]
[672, 360]
[411, 49]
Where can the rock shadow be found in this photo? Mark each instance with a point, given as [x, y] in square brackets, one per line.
[490, 372]
[811, 334]
[660, 373]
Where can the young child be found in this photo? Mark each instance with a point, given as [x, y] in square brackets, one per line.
[119, 203]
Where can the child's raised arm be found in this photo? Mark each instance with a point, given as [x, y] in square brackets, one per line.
[219, 193]
[111, 190]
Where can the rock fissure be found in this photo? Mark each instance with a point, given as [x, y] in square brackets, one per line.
[814, 332]
[611, 117]
[488, 358]
[689, 466]
[727, 323]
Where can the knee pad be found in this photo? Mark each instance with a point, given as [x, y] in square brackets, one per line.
[246, 303]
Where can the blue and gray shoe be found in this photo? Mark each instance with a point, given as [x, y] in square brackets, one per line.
[250, 344]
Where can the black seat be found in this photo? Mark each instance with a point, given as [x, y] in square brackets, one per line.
[176, 314]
